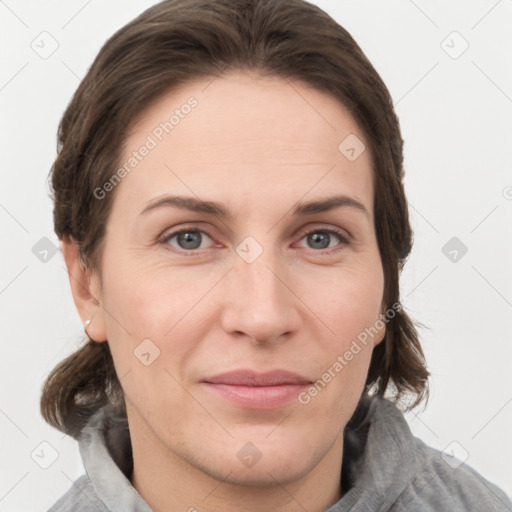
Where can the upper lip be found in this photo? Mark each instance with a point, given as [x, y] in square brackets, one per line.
[252, 378]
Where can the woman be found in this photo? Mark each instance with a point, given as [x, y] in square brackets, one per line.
[229, 197]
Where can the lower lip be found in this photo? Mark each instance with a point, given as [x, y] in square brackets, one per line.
[258, 397]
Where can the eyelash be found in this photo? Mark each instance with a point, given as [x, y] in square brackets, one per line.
[164, 240]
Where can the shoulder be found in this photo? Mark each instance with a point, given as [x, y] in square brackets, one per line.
[442, 482]
[407, 474]
[80, 497]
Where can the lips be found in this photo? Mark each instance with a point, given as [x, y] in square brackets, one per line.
[252, 378]
[252, 390]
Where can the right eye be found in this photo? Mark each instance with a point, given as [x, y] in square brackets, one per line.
[187, 240]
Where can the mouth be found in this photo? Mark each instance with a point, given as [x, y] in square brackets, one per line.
[252, 390]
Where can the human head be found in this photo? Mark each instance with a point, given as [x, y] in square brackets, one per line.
[179, 42]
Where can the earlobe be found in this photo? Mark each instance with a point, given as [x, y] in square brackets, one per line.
[381, 325]
[85, 290]
[378, 339]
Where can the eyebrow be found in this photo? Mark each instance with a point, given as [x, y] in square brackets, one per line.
[218, 210]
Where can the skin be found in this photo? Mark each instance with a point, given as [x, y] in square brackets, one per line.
[258, 146]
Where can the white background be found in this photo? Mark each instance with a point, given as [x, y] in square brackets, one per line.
[456, 118]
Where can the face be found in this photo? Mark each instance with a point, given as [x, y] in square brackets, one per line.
[189, 294]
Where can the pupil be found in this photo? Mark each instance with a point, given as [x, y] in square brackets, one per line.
[322, 238]
[191, 240]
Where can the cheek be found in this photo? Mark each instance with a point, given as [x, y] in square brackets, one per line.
[150, 299]
[347, 300]
[348, 308]
[175, 306]
[154, 316]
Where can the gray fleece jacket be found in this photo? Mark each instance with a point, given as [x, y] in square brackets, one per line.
[384, 468]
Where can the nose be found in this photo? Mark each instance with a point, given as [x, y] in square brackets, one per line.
[259, 301]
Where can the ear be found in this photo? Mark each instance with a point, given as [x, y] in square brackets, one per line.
[382, 332]
[86, 290]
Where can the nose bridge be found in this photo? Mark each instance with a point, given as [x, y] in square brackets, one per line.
[261, 305]
[259, 268]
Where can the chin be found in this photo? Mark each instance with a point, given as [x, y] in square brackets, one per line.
[263, 459]
[270, 470]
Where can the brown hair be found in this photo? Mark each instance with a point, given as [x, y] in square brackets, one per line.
[179, 41]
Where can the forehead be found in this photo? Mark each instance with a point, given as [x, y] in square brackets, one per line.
[242, 130]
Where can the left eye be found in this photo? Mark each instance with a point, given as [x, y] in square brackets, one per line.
[321, 239]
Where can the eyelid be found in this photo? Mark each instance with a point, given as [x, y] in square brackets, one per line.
[344, 236]
[327, 228]
[345, 240]
[166, 236]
